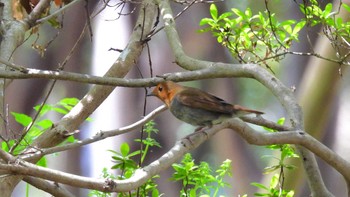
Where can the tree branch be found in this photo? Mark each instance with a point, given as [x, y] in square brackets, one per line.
[106, 134]
[98, 137]
[37, 11]
[57, 12]
[52, 188]
[17, 166]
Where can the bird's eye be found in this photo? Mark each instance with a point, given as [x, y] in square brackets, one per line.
[160, 88]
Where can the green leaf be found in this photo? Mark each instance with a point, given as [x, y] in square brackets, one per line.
[259, 185]
[46, 108]
[4, 146]
[282, 36]
[238, 12]
[22, 119]
[205, 21]
[149, 142]
[261, 18]
[269, 130]
[225, 15]
[45, 124]
[290, 194]
[66, 104]
[155, 193]
[219, 39]
[60, 110]
[281, 121]
[124, 149]
[70, 139]
[42, 162]
[89, 119]
[118, 157]
[150, 127]
[134, 153]
[213, 11]
[204, 30]
[224, 169]
[248, 13]
[327, 10]
[339, 22]
[346, 7]
[34, 132]
[193, 193]
[288, 28]
[177, 167]
[69, 101]
[298, 27]
[261, 194]
[274, 181]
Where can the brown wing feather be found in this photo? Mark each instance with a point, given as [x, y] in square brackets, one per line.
[239, 108]
[198, 99]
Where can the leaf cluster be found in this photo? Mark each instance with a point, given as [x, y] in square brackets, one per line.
[198, 180]
[273, 190]
[126, 162]
[34, 127]
[261, 38]
[335, 28]
[251, 38]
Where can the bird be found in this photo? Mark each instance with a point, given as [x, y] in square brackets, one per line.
[197, 107]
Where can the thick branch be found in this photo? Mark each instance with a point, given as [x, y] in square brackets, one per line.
[293, 137]
[216, 70]
[52, 188]
[174, 154]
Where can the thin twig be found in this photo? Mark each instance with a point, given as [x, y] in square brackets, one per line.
[88, 21]
[98, 137]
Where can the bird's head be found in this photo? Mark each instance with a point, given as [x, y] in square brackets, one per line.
[165, 91]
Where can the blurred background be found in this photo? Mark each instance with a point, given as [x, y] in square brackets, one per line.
[321, 91]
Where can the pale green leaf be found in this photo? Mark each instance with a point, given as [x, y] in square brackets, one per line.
[22, 119]
[213, 11]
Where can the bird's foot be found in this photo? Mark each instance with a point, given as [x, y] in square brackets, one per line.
[198, 130]
[202, 130]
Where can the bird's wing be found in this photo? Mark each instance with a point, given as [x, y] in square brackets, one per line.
[199, 99]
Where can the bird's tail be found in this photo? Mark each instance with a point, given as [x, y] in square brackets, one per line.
[241, 111]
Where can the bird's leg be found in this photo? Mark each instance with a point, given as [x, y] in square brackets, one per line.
[202, 130]
[197, 131]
